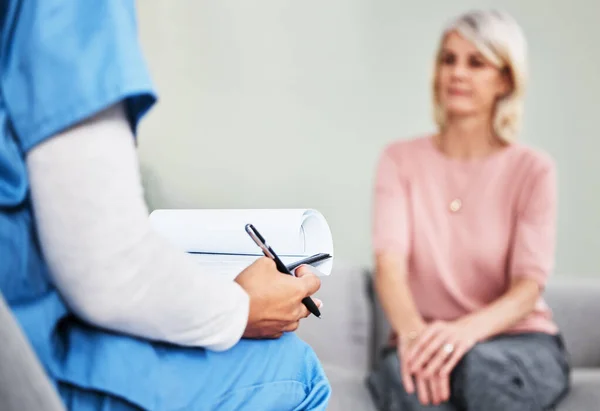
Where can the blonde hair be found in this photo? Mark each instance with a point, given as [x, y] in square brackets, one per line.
[499, 38]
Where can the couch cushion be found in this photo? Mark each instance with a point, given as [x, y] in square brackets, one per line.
[341, 337]
[348, 390]
[585, 391]
[575, 303]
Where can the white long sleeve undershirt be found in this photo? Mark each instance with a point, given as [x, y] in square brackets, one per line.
[108, 264]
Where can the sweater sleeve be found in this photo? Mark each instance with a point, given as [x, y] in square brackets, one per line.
[535, 236]
[391, 231]
[111, 268]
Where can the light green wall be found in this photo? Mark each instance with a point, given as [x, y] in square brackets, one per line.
[286, 103]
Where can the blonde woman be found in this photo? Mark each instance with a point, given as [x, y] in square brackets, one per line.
[464, 238]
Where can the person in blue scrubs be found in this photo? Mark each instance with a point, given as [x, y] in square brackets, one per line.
[62, 63]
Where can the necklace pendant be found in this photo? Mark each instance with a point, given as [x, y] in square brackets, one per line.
[455, 205]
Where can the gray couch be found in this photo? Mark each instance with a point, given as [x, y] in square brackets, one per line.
[353, 329]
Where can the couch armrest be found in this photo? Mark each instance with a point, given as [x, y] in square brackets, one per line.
[380, 327]
[24, 385]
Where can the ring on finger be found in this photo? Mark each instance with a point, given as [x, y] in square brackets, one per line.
[448, 348]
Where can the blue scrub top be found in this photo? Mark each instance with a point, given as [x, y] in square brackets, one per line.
[62, 61]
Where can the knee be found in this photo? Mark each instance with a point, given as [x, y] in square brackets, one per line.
[479, 363]
[309, 370]
[488, 379]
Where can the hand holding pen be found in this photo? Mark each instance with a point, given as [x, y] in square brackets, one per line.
[270, 253]
[275, 299]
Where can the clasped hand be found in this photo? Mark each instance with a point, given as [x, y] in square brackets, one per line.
[428, 356]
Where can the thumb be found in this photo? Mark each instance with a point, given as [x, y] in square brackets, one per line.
[307, 269]
[311, 282]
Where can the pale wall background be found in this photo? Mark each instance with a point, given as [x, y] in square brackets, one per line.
[287, 103]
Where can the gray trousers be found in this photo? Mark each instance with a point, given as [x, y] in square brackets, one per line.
[524, 372]
[24, 386]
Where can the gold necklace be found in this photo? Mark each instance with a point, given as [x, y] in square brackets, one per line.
[456, 203]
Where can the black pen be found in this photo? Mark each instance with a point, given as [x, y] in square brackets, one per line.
[268, 251]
